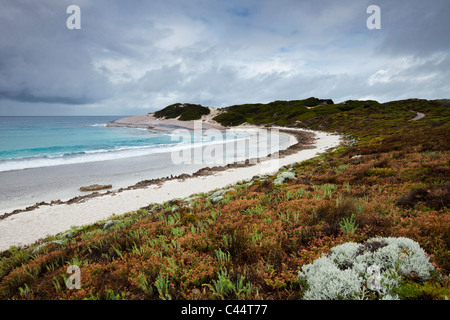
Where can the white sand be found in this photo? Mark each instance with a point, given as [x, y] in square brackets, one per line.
[28, 227]
[149, 120]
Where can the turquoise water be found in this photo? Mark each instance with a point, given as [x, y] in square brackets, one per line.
[30, 142]
[33, 142]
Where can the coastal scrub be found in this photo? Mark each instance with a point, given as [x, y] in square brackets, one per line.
[371, 218]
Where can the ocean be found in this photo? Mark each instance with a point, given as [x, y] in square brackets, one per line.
[33, 142]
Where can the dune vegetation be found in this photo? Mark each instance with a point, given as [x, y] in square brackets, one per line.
[389, 178]
[182, 111]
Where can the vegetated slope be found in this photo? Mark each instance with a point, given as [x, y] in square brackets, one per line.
[277, 112]
[359, 118]
[182, 111]
[389, 179]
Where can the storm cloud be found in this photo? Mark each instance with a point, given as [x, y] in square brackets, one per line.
[139, 56]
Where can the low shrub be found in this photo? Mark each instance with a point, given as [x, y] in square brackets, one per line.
[380, 265]
[437, 197]
[333, 212]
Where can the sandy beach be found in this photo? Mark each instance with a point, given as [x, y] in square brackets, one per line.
[27, 227]
[151, 122]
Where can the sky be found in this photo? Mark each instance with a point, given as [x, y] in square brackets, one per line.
[134, 57]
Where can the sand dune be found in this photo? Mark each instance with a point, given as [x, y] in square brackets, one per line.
[151, 122]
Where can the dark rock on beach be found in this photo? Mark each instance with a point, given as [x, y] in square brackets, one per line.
[96, 187]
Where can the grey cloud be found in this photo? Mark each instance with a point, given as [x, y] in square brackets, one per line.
[41, 60]
[415, 27]
[147, 54]
[26, 96]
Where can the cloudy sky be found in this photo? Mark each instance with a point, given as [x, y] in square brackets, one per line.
[133, 57]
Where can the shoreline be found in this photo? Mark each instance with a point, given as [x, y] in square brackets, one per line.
[29, 188]
[303, 140]
[150, 122]
[23, 227]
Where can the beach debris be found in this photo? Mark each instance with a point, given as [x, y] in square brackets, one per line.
[283, 176]
[96, 187]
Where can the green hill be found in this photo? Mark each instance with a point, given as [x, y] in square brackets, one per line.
[277, 112]
[183, 111]
[359, 118]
